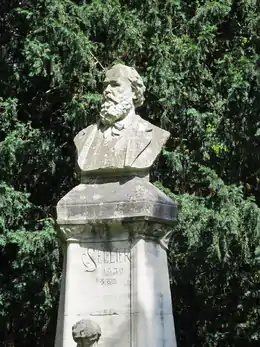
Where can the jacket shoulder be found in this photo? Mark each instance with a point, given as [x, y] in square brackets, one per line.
[160, 135]
[80, 138]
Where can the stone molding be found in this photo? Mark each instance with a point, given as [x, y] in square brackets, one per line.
[103, 232]
[134, 199]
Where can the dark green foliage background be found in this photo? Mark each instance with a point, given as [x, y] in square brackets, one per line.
[200, 63]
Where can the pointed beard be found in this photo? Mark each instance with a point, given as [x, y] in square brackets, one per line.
[111, 112]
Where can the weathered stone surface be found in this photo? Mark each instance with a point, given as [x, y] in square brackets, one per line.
[135, 148]
[86, 333]
[121, 142]
[98, 288]
[116, 226]
[133, 199]
[152, 317]
[120, 283]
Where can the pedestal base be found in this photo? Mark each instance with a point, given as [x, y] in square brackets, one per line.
[123, 285]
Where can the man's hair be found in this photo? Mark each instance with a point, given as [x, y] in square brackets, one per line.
[86, 329]
[137, 87]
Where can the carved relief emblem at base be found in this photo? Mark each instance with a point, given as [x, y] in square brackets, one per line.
[86, 333]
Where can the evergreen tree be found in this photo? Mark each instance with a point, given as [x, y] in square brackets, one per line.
[199, 60]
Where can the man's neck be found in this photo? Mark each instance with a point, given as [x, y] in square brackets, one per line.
[128, 120]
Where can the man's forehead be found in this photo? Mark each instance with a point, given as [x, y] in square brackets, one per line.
[117, 72]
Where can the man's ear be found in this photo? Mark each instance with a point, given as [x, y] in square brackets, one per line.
[134, 96]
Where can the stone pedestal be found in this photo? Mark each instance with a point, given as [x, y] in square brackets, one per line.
[115, 268]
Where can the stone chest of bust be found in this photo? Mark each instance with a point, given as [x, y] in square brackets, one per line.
[121, 142]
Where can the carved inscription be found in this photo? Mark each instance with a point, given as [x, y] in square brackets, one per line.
[111, 271]
[103, 281]
[88, 261]
[106, 281]
[111, 265]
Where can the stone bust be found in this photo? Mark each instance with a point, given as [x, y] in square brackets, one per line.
[86, 333]
[120, 142]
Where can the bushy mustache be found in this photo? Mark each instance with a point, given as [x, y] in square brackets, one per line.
[111, 98]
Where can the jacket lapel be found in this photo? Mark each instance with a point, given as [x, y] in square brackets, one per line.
[137, 143]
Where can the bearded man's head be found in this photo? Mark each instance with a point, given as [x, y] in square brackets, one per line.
[124, 90]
